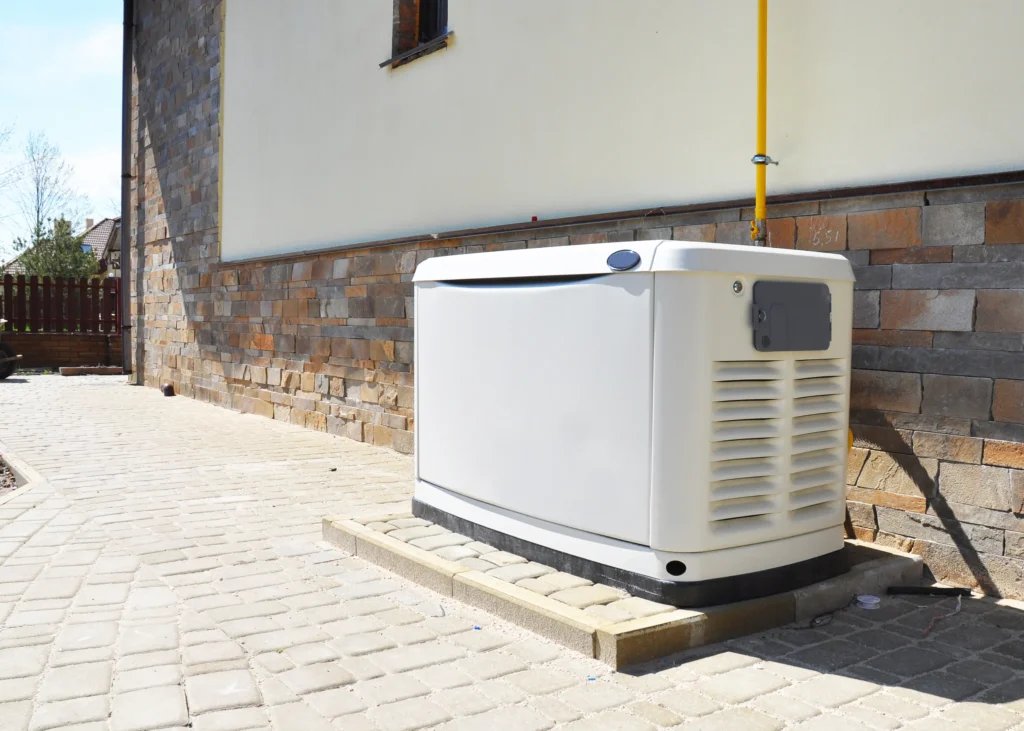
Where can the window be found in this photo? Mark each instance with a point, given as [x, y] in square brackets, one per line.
[86, 248]
[419, 27]
[433, 19]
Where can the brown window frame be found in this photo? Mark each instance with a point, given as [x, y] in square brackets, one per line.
[419, 27]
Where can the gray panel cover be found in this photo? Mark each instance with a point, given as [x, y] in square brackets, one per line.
[792, 316]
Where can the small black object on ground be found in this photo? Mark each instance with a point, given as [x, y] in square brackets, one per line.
[167, 389]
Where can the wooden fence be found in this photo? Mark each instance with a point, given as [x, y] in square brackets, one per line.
[61, 305]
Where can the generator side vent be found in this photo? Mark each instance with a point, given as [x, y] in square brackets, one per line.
[817, 440]
[747, 445]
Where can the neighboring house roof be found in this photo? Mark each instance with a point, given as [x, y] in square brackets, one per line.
[100, 239]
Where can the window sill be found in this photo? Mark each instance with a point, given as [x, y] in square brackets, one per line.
[423, 49]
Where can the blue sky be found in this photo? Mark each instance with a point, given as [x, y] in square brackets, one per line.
[60, 73]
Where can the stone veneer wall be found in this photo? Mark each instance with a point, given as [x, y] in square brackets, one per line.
[326, 341]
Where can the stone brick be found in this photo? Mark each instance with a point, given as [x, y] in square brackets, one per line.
[927, 310]
[957, 396]
[895, 228]
[1004, 454]
[901, 474]
[861, 514]
[882, 438]
[868, 496]
[854, 463]
[1008, 401]
[959, 276]
[1000, 431]
[872, 277]
[948, 447]
[954, 225]
[733, 232]
[988, 573]
[865, 309]
[697, 232]
[1012, 343]
[1004, 222]
[586, 596]
[906, 338]
[1000, 311]
[915, 255]
[885, 390]
[781, 233]
[984, 486]
[932, 528]
[821, 233]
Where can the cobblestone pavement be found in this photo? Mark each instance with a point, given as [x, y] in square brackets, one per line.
[170, 575]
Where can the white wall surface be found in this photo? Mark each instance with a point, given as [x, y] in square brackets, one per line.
[557, 108]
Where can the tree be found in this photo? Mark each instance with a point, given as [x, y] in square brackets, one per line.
[46, 191]
[56, 252]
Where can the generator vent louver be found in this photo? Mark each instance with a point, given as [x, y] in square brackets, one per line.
[777, 443]
[817, 440]
[746, 453]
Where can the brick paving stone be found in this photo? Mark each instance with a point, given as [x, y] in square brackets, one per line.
[211, 652]
[462, 701]
[456, 553]
[408, 715]
[911, 661]
[152, 708]
[516, 718]
[412, 634]
[336, 702]
[391, 688]
[443, 676]
[490, 665]
[443, 540]
[554, 709]
[736, 718]
[311, 678]
[610, 721]
[784, 707]
[501, 558]
[19, 662]
[596, 696]
[61, 714]
[479, 640]
[422, 531]
[714, 663]
[739, 686]
[832, 655]
[151, 677]
[15, 716]
[514, 573]
[830, 691]
[586, 596]
[412, 657]
[298, 717]
[237, 719]
[76, 681]
[870, 717]
[900, 708]
[686, 703]
[218, 691]
[148, 638]
[540, 682]
[476, 564]
[17, 689]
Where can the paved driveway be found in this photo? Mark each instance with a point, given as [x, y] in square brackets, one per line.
[170, 574]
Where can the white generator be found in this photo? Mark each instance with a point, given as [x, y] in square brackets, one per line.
[666, 417]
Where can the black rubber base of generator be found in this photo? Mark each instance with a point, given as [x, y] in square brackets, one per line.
[677, 593]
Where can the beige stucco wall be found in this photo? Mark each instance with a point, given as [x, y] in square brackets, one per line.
[555, 108]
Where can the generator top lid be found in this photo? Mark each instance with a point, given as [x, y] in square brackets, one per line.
[634, 256]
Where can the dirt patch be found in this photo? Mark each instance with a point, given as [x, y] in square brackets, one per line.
[7, 482]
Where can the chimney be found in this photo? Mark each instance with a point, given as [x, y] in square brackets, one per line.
[88, 224]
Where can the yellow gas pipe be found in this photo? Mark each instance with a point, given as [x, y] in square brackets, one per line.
[758, 227]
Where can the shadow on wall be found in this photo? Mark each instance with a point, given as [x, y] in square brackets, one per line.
[176, 146]
[927, 487]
